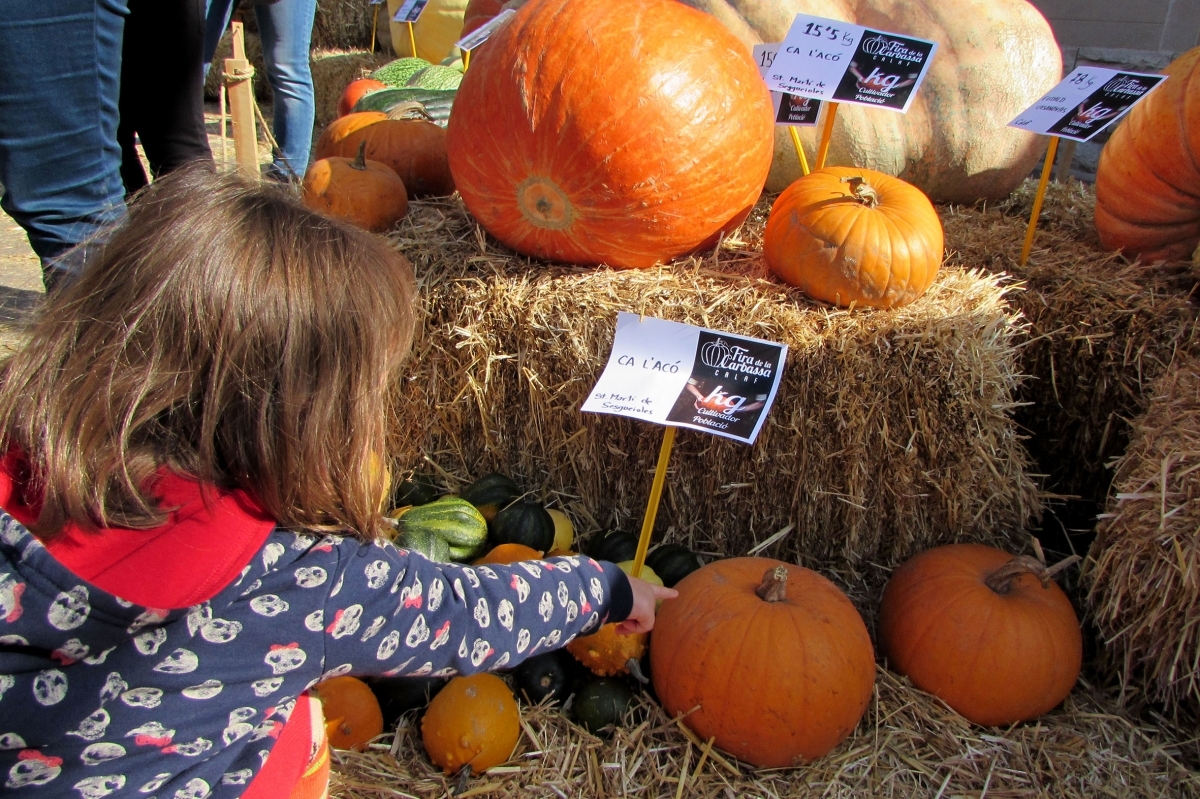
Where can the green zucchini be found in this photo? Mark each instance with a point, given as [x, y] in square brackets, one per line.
[436, 102]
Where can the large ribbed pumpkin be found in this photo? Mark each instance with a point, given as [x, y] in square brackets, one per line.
[995, 57]
[854, 236]
[1148, 179]
[622, 132]
[989, 634]
[773, 658]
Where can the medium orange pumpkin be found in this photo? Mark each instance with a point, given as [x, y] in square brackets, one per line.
[352, 713]
[415, 149]
[365, 193]
[354, 92]
[773, 655]
[988, 633]
[329, 142]
[1148, 178]
[622, 132]
[473, 721]
[854, 236]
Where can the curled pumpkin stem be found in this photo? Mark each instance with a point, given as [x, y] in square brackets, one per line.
[464, 778]
[863, 192]
[635, 669]
[774, 585]
[1001, 580]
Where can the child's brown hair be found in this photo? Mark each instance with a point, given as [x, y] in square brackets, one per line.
[225, 332]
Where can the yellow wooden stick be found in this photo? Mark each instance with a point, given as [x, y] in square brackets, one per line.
[412, 38]
[466, 59]
[374, 24]
[799, 150]
[660, 476]
[826, 133]
[1037, 200]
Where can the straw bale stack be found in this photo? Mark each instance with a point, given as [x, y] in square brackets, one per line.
[892, 430]
[332, 70]
[1101, 329]
[1143, 572]
[909, 744]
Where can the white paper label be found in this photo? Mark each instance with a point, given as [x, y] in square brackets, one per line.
[830, 60]
[409, 10]
[1086, 102]
[790, 109]
[674, 374]
[484, 31]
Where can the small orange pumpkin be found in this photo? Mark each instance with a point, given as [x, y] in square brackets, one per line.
[329, 142]
[473, 721]
[366, 193]
[987, 632]
[769, 658]
[352, 713]
[354, 91]
[508, 553]
[854, 236]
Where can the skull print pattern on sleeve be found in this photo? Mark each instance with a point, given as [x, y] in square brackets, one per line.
[394, 612]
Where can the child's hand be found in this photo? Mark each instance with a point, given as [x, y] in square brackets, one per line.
[645, 598]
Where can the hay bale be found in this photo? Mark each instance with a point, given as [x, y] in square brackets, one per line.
[332, 70]
[908, 745]
[1101, 329]
[343, 25]
[1143, 572]
[892, 430]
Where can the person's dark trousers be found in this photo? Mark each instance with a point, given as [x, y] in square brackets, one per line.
[162, 88]
[60, 63]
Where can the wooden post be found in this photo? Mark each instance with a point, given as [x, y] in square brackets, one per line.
[238, 77]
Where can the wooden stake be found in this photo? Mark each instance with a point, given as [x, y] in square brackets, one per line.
[374, 25]
[660, 476]
[238, 77]
[466, 59]
[826, 133]
[799, 150]
[412, 38]
[1037, 200]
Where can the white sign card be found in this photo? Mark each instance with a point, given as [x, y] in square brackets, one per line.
[484, 31]
[409, 10]
[790, 109]
[678, 375]
[846, 63]
[1086, 102]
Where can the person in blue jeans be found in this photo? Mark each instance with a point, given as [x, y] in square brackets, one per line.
[285, 27]
[60, 164]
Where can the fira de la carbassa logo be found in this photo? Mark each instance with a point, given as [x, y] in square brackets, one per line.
[720, 354]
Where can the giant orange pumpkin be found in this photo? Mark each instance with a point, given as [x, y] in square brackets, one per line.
[772, 657]
[1148, 179]
[988, 633]
[854, 236]
[623, 132]
[995, 58]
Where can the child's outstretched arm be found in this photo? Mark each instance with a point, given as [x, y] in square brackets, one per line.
[394, 612]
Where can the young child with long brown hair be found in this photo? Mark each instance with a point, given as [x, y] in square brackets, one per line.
[191, 530]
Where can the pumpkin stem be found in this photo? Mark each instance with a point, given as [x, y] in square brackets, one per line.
[464, 778]
[774, 585]
[863, 192]
[360, 160]
[635, 669]
[1001, 579]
